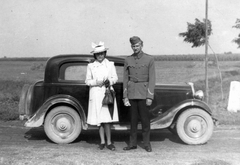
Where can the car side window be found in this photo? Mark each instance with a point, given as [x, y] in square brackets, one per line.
[77, 72]
[73, 72]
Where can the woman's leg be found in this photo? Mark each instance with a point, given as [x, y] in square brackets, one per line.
[107, 128]
[101, 133]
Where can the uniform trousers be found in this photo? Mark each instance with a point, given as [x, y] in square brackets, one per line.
[138, 109]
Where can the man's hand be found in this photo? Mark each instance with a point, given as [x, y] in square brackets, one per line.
[126, 102]
[148, 102]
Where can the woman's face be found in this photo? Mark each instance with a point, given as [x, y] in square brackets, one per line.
[100, 56]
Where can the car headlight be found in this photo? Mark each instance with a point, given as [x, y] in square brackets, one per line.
[199, 95]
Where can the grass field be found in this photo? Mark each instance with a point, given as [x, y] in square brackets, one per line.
[14, 74]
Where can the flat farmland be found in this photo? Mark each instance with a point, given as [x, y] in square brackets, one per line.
[166, 71]
[14, 74]
[191, 71]
[22, 70]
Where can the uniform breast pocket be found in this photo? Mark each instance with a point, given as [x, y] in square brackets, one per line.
[143, 69]
[131, 69]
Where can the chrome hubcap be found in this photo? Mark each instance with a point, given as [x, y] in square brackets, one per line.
[63, 125]
[195, 126]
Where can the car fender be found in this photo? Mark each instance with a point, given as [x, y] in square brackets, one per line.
[165, 120]
[38, 118]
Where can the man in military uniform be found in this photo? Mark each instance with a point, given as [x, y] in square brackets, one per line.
[138, 91]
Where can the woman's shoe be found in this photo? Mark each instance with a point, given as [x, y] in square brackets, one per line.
[111, 147]
[101, 146]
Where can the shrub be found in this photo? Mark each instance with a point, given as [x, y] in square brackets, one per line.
[9, 110]
[9, 97]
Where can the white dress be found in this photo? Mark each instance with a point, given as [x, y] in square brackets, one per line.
[97, 113]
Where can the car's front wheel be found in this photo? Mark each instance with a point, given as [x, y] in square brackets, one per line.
[62, 124]
[195, 126]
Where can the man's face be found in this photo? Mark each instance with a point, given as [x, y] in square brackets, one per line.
[137, 47]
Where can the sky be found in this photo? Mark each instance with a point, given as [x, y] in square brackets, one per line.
[44, 28]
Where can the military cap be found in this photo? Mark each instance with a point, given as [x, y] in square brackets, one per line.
[135, 40]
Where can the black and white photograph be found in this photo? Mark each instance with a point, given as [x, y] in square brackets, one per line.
[119, 82]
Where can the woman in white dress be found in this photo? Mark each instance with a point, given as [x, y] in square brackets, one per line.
[100, 74]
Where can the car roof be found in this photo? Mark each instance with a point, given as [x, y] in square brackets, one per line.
[53, 63]
[81, 57]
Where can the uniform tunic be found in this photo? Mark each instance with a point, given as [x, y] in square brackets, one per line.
[98, 113]
[139, 77]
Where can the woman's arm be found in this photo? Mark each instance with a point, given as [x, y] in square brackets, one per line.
[113, 78]
[89, 77]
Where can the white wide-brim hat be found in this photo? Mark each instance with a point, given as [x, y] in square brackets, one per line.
[98, 48]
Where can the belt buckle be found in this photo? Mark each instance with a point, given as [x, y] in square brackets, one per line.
[135, 80]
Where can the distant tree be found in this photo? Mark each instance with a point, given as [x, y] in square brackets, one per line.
[196, 32]
[227, 52]
[237, 26]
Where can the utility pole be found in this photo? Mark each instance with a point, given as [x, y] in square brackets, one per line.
[206, 52]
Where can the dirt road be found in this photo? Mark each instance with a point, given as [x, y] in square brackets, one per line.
[20, 145]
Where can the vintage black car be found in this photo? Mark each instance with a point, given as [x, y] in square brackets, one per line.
[60, 103]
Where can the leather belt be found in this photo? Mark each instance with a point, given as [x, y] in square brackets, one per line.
[136, 80]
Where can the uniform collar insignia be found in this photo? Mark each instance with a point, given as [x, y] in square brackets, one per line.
[139, 55]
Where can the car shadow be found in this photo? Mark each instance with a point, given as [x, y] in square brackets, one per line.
[36, 134]
[92, 136]
[163, 134]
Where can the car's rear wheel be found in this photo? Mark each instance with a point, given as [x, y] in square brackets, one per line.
[195, 126]
[173, 129]
[62, 124]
